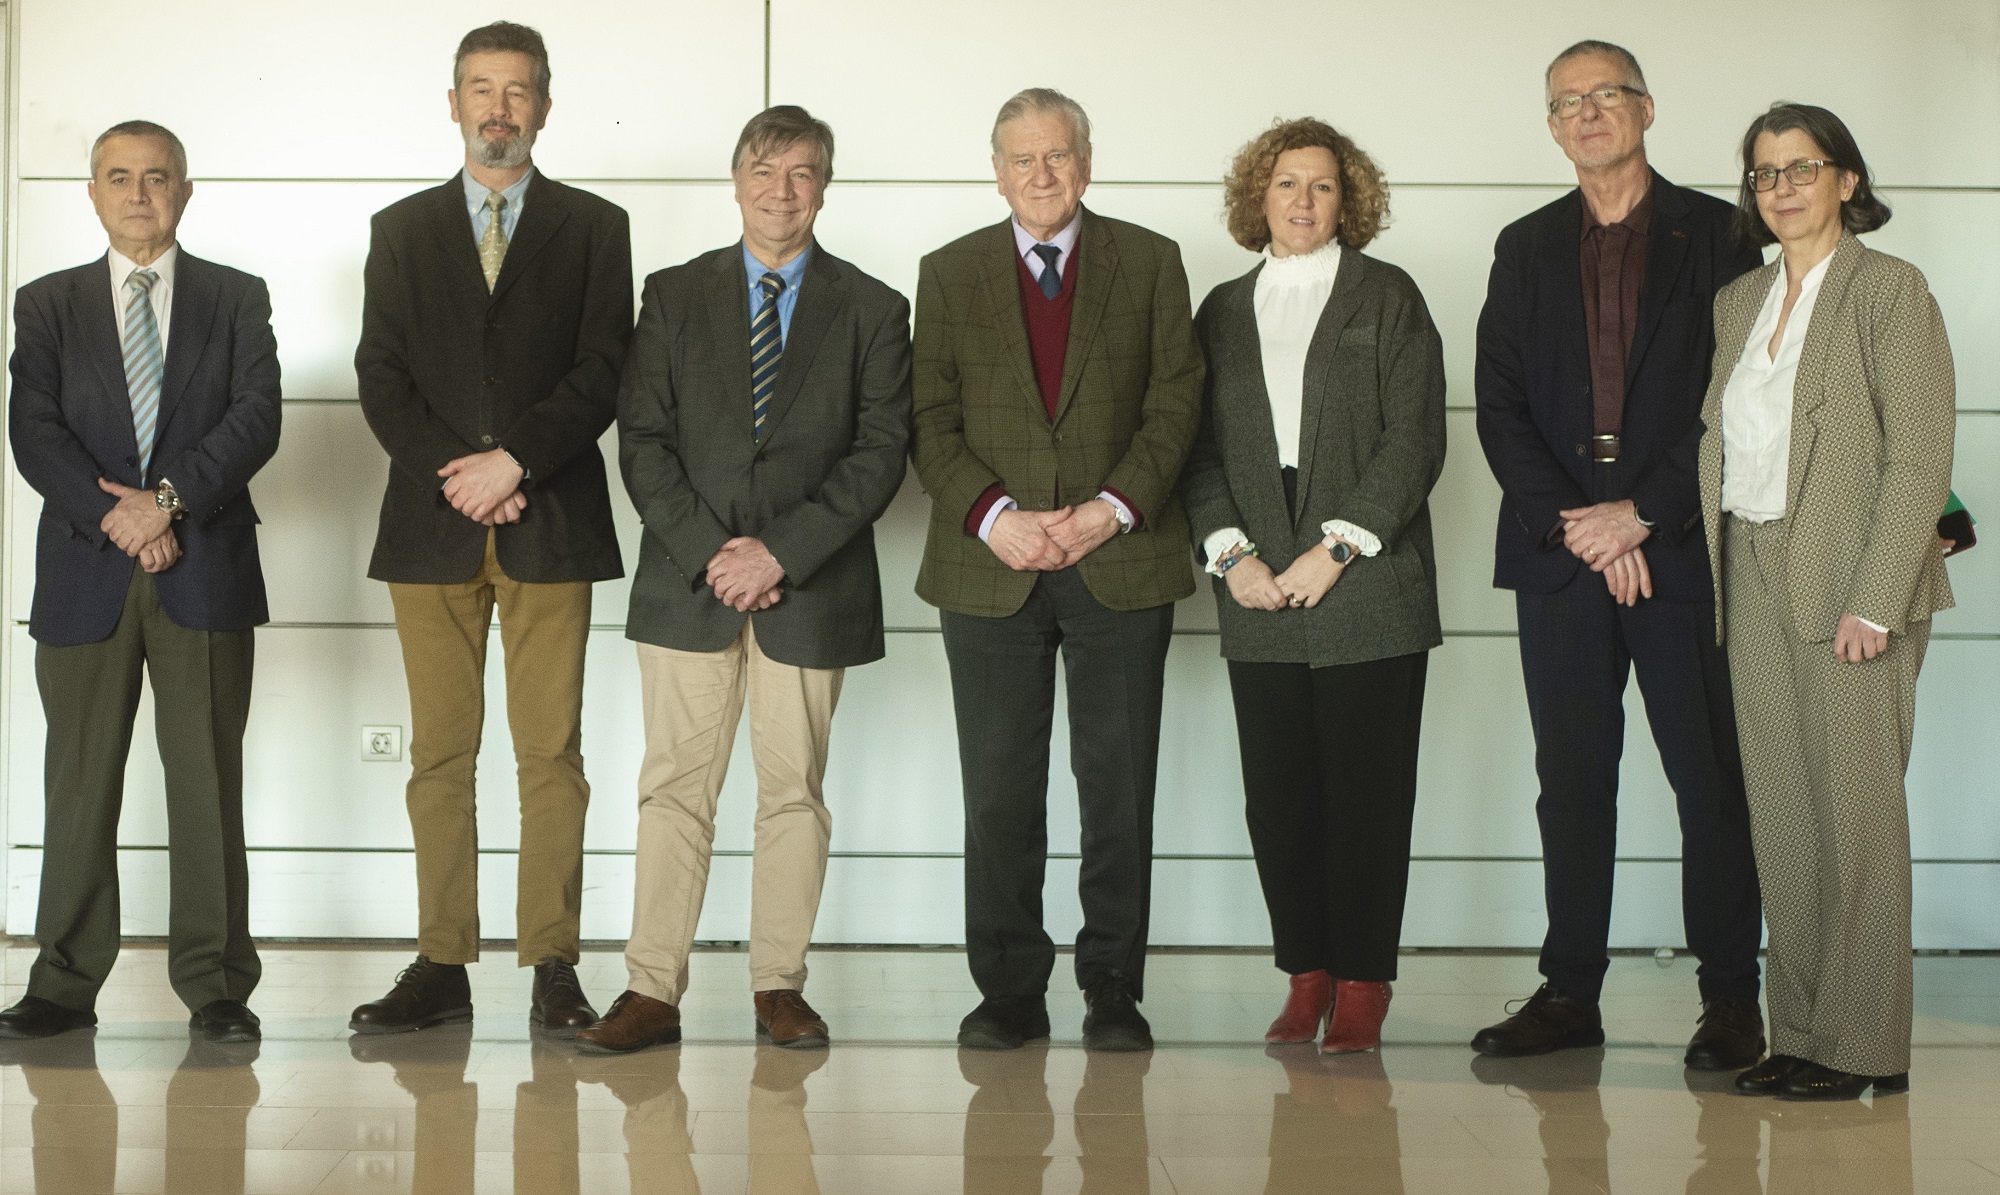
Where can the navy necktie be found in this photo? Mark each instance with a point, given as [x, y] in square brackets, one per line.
[1051, 278]
[767, 344]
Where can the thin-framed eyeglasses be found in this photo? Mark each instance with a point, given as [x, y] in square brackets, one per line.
[1801, 173]
[1569, 105]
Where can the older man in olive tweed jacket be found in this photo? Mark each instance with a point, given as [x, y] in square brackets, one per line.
[1057, 388]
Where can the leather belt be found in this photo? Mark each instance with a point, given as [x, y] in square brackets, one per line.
[1601, 449]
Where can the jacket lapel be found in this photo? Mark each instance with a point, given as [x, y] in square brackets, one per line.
[729, 331]
[454, 238]
[1099, 263]
[187, 338]
[1666, 254]
[1003, 292]
[1734, 315]
[1333, 320]
[1809, 387]
[544, 210]
[821, 295]
[90, 306]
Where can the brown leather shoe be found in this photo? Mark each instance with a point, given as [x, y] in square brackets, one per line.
[785, 1019]
[632, 1023]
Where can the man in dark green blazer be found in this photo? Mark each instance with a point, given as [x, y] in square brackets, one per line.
[1057, 390]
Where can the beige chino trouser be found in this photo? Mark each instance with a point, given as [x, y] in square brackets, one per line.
[692, 703]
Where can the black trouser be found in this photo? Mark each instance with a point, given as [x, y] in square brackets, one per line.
[1577, 648]
[1330, 788]
[1003, 684]
[201, 702]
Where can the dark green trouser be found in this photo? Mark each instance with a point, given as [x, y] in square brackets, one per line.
[201, 700]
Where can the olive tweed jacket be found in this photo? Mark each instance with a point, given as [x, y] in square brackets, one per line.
[1371, 446]
[1873, 417]
[1127, 412]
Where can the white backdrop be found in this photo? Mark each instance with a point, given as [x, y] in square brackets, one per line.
[301, 120]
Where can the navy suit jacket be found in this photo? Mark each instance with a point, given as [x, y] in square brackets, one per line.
[1532, 381]
[70, 421]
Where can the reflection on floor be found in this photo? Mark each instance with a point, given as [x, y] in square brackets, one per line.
[894, 1108]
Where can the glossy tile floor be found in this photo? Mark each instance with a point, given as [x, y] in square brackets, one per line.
[894, 1107]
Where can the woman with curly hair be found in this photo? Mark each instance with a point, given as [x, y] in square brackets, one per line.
[1307, 490]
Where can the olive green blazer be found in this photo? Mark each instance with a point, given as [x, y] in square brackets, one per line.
[1873, 416]
[1127, 414]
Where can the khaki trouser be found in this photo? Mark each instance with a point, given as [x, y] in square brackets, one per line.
[543, 631]
[692, 702]
[1825, 746]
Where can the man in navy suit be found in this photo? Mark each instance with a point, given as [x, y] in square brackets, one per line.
[145, 398]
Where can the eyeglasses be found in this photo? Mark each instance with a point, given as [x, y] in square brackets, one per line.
[1801, 173]
[1569, 106]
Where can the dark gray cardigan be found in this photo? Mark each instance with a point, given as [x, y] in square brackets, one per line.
[1371, 446]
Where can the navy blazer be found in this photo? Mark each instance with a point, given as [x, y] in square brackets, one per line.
[1532, 381]
[70, 421]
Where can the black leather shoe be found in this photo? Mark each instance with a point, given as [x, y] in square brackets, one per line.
[36, 1017]
[426, 994]
[226, 1020]
[1811, 1081]
[1004, 1023]
[1549, 1021]
[560, 1007]
[1729, 1036]
[1113, 1020]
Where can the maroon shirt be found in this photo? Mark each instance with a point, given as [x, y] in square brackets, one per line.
[1614, 270]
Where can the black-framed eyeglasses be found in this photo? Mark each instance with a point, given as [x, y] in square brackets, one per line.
[1569, 105]
[1801, 173]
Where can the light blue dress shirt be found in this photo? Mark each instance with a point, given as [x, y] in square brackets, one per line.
[793, 272]
[510, 216]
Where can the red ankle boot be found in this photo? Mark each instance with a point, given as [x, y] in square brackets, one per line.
[1310, 1001]
[1358, 1010]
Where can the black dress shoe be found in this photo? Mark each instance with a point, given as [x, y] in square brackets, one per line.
[1811, 1081]
[1113, 1020]
[1769, 1075]
[426, 994]
[1729, 1036]
[1004, 1023]
[1549, 1021]
[559, 1006]
[36, 1017]
[226, 1020]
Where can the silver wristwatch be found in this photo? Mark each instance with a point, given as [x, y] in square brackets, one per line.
[168, 499]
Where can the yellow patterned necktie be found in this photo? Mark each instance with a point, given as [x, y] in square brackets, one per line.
[493, 246]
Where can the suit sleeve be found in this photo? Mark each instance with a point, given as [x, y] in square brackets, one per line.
[549, 434]
[1409, 457]
[865, 481]
[417, 441]
[1170, 412]
[649, 449]
[49, 455]
[220, 465]
[951, 473]
[1534, 482]
[1910, 371]
[1205, 492]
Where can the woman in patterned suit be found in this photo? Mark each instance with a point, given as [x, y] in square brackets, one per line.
[1826, 459]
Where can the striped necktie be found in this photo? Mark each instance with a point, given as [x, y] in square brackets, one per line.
[493, 245]
[767, 345]
[145, 361]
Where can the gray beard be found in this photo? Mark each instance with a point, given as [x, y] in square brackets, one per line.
[499, 155]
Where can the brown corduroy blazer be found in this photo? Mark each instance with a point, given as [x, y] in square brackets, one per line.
[1128, 412]
[1873, 417]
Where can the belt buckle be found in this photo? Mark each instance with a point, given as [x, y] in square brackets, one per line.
[1604, 449]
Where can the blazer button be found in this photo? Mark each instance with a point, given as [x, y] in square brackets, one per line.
[492, 381]
[1580, 450]
[486, 439]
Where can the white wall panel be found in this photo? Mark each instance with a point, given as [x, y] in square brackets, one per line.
[357, 90]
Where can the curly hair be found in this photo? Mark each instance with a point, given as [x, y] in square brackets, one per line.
[1364, 192]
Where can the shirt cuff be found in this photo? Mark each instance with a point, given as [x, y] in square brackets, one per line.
[979, 520]
[1216, 546]
[1129, 519]
[1879, 630]
[1360, 538]
[993, 514]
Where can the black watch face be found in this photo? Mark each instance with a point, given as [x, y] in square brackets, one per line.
[1342, 553]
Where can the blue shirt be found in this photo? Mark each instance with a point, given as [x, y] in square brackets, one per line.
[510, 216]
[793, 272]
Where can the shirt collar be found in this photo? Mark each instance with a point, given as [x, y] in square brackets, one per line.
[1636, 221]
[476, 191]
[1065, 241]
[122, 266]
[793, 271]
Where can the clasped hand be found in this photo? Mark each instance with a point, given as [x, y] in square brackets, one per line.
[485, 487]
[1047, 540]
[1255, 587]
[139, 527]
[745, 576]
[1607, 537]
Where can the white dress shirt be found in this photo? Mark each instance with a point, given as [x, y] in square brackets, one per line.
[1291, 294]
[162, 295]
[1757, 404]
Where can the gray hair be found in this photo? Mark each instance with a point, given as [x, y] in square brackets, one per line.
[504, 37]
[142, 128]
[1045, 99]
[779, 128]
[1634, 77]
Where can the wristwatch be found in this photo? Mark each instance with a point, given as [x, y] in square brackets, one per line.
[168, 499]
[1341, 551]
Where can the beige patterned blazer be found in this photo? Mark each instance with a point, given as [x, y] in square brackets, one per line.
[1873, 416]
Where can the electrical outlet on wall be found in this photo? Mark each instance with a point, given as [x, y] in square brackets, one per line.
[382, 744]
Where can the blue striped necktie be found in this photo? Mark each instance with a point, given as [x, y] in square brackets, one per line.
[767, 345]
[145, 361]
